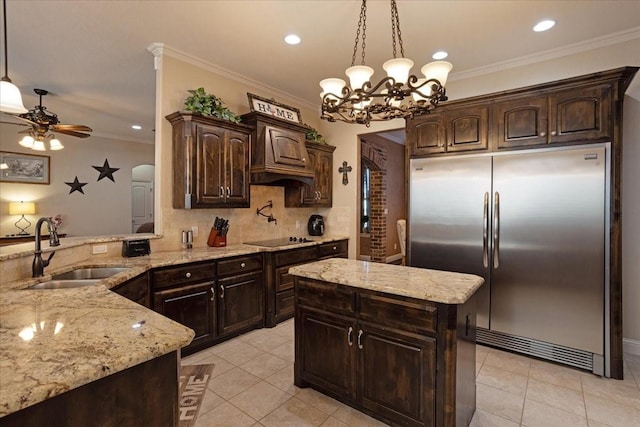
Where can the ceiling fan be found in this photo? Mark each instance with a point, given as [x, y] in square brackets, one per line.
[41, 122]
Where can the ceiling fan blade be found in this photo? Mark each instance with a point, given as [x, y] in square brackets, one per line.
[80, 128]
[17, 116]
[26, 131]
[72, 133]
[11, 123]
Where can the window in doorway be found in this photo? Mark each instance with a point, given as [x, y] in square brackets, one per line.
[365, 202]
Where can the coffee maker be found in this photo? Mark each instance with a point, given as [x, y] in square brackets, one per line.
[315, 227]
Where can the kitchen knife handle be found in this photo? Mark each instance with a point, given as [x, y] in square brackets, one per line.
[350, 336]
[485, 231]
[496, 230]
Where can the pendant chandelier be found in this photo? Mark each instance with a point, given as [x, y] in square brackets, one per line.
[10, 97]
[398, 95]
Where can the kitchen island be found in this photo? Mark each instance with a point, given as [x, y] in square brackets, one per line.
[395, 342]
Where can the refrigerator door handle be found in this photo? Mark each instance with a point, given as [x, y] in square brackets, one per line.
[496, 230]
[485, 231]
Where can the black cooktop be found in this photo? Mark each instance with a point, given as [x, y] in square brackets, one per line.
[281, 241]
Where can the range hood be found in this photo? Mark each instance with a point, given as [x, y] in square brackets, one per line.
[278, 153]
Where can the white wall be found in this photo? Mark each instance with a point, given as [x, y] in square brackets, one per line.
[345, 137]
[105, 206]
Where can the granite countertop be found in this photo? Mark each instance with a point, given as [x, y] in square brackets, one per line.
[54, 340]
[430, 285]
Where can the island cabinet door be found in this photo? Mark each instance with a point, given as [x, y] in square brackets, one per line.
[325, 352]
[396, 375]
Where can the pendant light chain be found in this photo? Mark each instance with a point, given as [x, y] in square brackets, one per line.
[4, 18]
[395, 29]
[362, 24]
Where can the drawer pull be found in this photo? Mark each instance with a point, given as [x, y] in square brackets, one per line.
[221, 291]
[243, 265]
[350, 336]
[360, 346]
[334, 248]
[187, 275]
[213, 293]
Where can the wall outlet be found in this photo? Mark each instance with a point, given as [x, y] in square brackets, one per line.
[194, 230]
[297, 224]
[99, 249]
[386, 211]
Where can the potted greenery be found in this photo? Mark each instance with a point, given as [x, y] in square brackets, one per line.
[208, 105]
[313, 136]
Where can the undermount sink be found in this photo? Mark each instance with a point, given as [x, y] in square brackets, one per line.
[89, 273]
[65, 284]
[78, 278]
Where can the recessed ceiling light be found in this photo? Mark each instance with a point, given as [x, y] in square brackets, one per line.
[292, 39]
[544, 25]
[440, 55]
[136, 127]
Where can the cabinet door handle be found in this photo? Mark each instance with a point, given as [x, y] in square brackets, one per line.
[543, 133]
[213, 293]
[485, 231]
[553, 133]
[228, 192]
[221, 191]
[221, 291]
[496, 230]
[360, 346]
[350, 336]
[187, 275]
[243, 265]
[334, 248]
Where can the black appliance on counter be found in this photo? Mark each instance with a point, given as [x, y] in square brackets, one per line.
[315, 227]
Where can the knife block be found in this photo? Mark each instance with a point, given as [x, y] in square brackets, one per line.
[215, 240]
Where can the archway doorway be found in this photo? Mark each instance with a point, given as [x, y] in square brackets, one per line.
[142, 215]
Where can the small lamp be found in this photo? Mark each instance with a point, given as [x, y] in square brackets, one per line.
[22, 209]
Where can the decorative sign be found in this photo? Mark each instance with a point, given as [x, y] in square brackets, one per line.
[273, 108]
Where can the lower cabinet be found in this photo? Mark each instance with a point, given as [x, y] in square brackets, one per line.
[217, 299]
[404, 361]
[136, 289]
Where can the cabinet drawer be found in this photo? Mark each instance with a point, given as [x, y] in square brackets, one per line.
[283, 280]
[295, 256]
[284, 303]
[333, 249]
[172, 276]
[240, 265]
[405, 315]
[325, 296]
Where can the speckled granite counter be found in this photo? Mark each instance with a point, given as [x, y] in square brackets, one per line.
[52, 341]
[430, 285]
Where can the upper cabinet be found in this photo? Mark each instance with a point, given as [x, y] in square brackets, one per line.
[449, 130]
[320, 192]
[278, 150]
[577, 114]
[210, 162]
[577, 110]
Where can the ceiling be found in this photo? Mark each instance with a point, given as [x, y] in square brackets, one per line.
[92, 55]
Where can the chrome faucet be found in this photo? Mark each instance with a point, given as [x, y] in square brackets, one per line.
[39, 264]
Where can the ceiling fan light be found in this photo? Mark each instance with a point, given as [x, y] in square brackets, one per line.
[438, 70]
[38, 146]
[27, 141]
[398, 69]
[55, 144]
[10, 98]
[359, 75]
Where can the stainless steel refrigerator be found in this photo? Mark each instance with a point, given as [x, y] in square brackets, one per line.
[534, 224]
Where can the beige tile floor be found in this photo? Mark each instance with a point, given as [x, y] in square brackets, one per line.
[252, 385]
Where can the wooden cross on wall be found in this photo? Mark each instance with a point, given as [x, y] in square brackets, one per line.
[343, 170]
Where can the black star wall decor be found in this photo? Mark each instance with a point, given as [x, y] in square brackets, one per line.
[76, 185]
[106, 171]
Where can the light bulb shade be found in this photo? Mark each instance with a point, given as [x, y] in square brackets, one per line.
[10, 98]
[27, 141]
[398, 69]
[55, 144]
[22, 208]
[333, 86]
[359, 75]
[38, 146]
[438, 70]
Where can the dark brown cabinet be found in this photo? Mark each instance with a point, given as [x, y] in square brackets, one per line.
[216, 299]
[136, 289]
[449, 130]
[210, 162]
[320, 193]
[574, 115]
[279, 301]
[383, 350]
